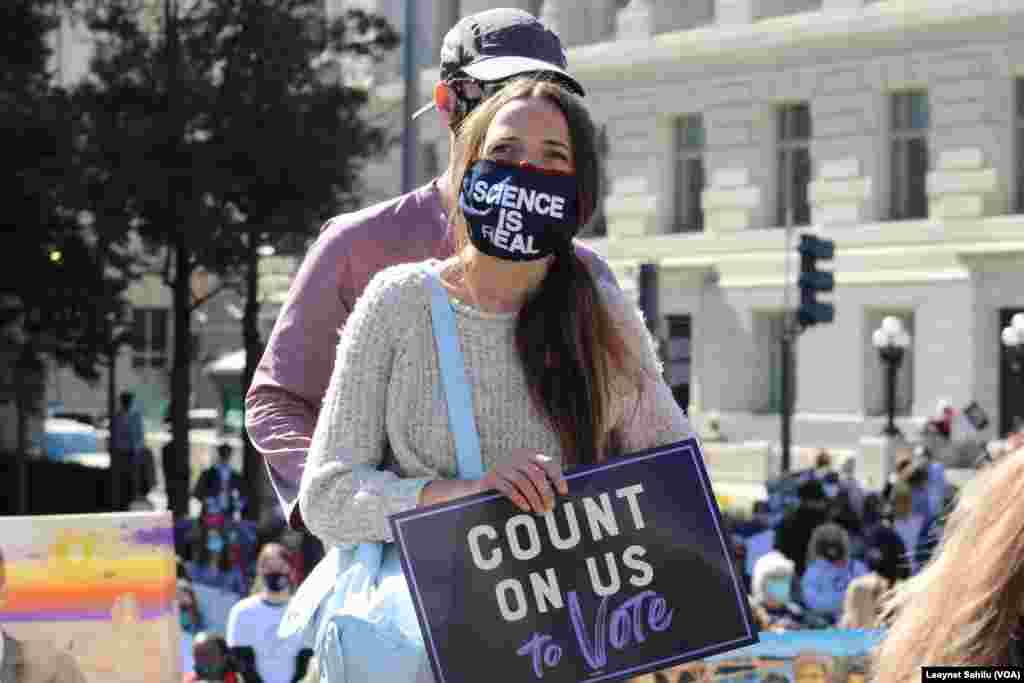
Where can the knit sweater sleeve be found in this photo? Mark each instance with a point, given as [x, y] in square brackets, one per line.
[649, 417]
[345, 496]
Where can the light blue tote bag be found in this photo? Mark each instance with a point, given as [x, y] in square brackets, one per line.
[355, 606]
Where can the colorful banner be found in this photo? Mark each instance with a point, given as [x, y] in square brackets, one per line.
[825, 656]
[94, 592]
[629, 573]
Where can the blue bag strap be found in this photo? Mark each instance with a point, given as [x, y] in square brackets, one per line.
[453, 379]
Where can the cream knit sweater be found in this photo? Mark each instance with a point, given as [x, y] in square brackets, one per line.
[386, 389]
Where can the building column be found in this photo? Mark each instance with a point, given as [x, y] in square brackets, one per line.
[731, 12]
[634, 21]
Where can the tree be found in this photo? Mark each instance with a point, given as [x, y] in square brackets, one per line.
[56, 301]
[306, 141]
[227, 140]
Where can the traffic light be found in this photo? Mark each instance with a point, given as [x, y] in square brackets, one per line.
[812, 281]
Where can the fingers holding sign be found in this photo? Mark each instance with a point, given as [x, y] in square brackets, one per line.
[529, 479]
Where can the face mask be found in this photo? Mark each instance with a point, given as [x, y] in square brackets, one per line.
[276, 582]
[777, 589]
[186, 621]
[519, 213]
[215, 544]
[210, 672]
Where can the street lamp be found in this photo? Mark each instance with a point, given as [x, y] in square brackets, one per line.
[891, 342]
[1013, 340]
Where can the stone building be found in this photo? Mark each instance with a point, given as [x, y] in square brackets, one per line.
[893, 128]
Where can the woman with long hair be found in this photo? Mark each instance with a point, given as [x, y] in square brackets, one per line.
[965, 607]
[562, 369]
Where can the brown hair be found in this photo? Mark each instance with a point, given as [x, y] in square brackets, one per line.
[980, 561]
[569, 344]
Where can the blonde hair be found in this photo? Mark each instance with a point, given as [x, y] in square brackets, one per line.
[863, 602]
[963, 608]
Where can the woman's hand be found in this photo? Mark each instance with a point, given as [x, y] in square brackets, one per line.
[529, 479]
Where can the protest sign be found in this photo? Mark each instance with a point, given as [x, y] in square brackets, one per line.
[93, 593]
[629, 573]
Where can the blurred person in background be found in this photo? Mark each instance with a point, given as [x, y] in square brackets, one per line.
[772, 593]
[905, 522]
[829, 571]
[966, 607]
[212, 661]
[795, 529]
[252, 622]
[191, 620]
[127, 450]
[862, 606]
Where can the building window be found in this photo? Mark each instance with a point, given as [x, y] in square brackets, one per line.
[689, 173]
[149, 337]
[768, 328]
[1019, 130]
[677, 358]
[794, 164]
[909, 133]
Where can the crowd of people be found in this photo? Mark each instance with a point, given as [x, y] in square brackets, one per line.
[822, 552]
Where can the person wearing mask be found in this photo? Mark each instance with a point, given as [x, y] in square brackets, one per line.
[127, 449]
[795, 529]
[772, 588]
[219, 487]
[479, 55]
[191, 619]
[252, 622]
[966, 607]
[212, 661]
[829, 571]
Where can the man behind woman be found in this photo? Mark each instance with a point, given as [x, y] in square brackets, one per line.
[562, 368]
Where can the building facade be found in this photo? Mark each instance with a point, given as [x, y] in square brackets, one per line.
[894, 128]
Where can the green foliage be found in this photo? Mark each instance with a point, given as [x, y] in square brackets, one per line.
[54, 289]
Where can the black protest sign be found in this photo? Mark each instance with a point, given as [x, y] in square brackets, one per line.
[630, 573]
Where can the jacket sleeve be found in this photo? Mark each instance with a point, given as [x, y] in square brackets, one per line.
[282, 402]
[345, 496]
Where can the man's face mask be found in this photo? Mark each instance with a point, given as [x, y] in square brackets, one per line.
[777, 589]
[276, 581]
[519, 212]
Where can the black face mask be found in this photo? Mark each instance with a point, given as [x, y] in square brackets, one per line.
[276, 582]
[519, 212]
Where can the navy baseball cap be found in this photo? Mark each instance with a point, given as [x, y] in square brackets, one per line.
[499, 44]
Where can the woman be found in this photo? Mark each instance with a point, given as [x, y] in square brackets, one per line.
[191, 618]
[965, 607]
[562, 370]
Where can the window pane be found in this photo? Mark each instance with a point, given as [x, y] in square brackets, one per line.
[801, 177]
[690, 131]
[158, 330]
[919, 111]
[794, 122]
[782, 186]
[139, 321]
[695, 175]
[917, 191]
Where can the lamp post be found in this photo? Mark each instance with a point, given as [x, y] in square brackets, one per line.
[891, 342]
[1013, 340]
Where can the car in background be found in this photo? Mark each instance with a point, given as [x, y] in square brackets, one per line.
[72, 440]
